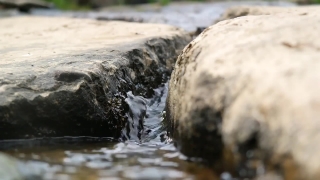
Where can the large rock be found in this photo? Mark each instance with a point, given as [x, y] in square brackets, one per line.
[69, 77]
[249, 84]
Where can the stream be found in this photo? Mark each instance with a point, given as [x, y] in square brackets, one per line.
[147, 154]
[144, 152]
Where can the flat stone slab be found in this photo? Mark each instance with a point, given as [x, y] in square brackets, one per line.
[69, 77]
[251, 85]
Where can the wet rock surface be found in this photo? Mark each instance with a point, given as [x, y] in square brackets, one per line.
[249, 85]
[70, 77]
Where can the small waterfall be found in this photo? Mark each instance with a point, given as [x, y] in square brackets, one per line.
[145, 116]
[136, 115]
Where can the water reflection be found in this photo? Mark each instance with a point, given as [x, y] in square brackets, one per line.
[125, 160]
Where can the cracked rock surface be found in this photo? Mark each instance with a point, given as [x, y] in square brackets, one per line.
[69, 77]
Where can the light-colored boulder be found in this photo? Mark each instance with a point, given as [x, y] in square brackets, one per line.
[69, 77]
[251, 83]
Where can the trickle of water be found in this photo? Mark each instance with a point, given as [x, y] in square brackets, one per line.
[137, 112]
[145, 117]
[147, 154]
[154, 131]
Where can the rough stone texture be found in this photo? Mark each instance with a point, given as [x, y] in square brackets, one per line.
[69, 77]
[251, 82]
[239, 11]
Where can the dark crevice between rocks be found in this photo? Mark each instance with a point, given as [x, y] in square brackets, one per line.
[197, 32]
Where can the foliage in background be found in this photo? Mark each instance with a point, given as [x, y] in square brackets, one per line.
[67, 5]
[164, 2]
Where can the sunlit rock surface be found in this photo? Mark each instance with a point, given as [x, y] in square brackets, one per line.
[249, 84]
[69, 77]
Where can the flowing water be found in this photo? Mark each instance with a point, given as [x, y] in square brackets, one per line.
[144, 152]
[147, 154]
